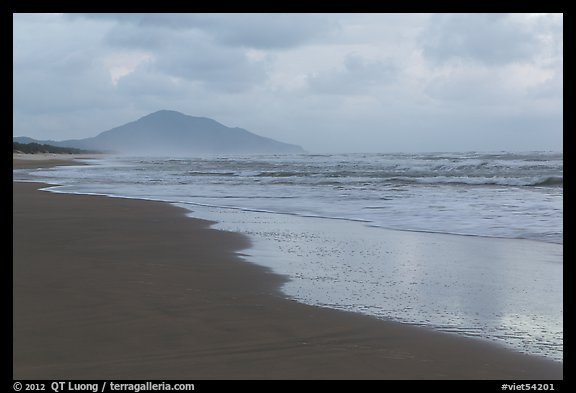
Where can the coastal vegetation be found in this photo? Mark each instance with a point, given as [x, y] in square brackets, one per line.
[37, 148]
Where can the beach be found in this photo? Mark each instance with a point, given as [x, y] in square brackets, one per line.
[129, 289]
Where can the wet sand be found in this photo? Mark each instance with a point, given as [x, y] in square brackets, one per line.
[45, 160]
[125, 289]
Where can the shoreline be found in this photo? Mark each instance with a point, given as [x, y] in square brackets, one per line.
[46, 160]
[121, 288]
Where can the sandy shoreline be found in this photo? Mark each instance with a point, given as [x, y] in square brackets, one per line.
[116, 288]
[25, 161]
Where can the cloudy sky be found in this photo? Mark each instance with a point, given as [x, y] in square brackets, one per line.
[328, 82]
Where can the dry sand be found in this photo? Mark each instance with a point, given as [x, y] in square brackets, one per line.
[126, 289]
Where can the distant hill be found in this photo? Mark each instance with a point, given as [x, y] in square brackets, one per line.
[36, 148]
[24, 140]
[172, 133]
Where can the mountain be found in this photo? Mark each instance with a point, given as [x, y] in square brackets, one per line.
[23, 140]
[172, 133]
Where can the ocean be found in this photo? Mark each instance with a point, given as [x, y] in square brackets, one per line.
[469, 243]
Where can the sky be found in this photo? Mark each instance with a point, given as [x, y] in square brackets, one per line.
[332, 83]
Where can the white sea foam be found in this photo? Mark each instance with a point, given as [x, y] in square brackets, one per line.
[496, 195]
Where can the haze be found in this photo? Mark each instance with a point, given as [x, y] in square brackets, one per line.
[327, 82]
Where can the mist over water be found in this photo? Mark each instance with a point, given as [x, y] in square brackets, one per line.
[507, 290]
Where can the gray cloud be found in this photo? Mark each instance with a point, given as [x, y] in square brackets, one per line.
[51, 75]
[227, 70]
[133, 37]
[332, 82]
[358, 75]
[187, 47]
[488, 38]
[262, 31]
[269, 31]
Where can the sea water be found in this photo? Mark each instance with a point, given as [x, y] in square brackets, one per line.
[469, 243]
